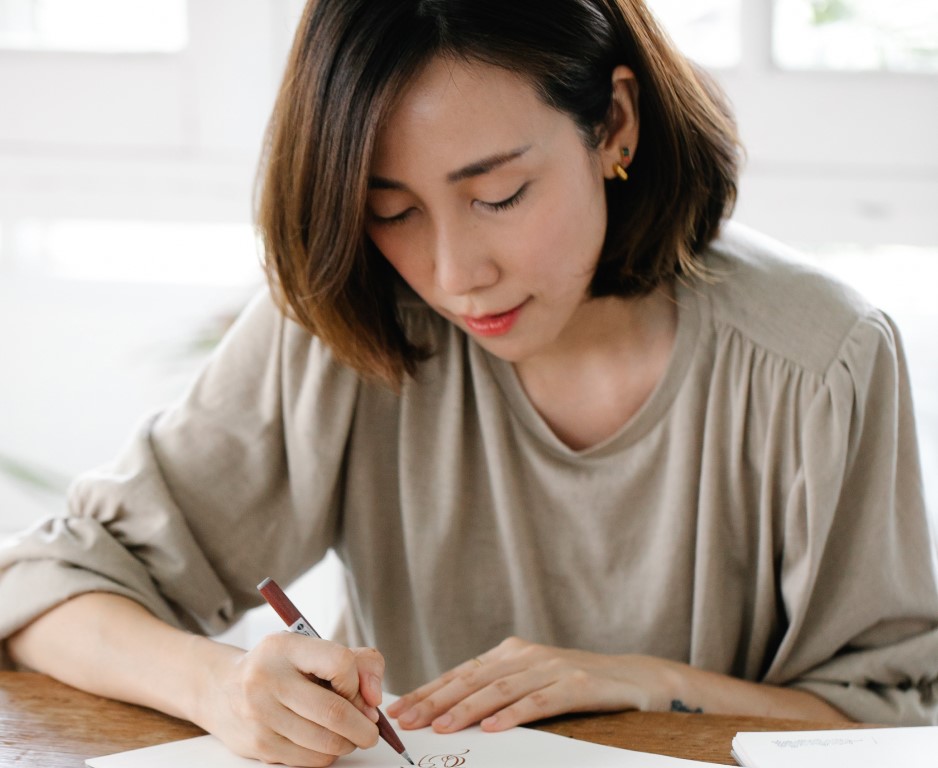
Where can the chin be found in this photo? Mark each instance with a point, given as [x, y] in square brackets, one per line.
[505, 349]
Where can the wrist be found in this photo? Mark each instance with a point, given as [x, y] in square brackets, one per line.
[208, 666]
[654, 683]
[675, 690]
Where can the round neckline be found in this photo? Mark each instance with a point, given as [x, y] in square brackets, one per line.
[689, 311]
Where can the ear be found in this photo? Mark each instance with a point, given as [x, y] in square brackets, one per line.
[622, 125]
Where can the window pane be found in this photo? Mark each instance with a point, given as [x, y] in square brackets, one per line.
[108, 26]
[707, 31]
[888, 35]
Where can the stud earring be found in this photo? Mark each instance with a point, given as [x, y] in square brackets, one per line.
[619, 168]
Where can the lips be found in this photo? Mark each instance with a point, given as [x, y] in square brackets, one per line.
[494, 325]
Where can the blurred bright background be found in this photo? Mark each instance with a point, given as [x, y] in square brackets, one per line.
[128, 144]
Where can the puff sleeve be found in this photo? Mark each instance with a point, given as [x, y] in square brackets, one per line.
[858, 577]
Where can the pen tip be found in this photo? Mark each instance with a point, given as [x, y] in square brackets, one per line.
[407, 757]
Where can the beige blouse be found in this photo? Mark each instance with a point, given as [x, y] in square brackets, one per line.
[762, 515]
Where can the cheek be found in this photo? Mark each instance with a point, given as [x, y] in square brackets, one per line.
[400, 253]
[571, 234]
[389, 246]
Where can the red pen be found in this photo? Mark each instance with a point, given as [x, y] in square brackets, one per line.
[295, 622]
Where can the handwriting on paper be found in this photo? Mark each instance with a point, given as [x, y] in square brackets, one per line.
[815, 741]
[448, 760]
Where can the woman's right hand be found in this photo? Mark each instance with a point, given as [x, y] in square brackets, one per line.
[262, 705]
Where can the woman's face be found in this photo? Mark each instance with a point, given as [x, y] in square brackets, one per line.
[489, 204]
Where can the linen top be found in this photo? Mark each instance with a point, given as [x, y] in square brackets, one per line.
[762, 515]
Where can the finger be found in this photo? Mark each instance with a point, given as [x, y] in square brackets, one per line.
[511, 648]
[495, 696]
[271, 747]
[323, 707]
[310, 735]
[549, 701]
[336, 666]
[355, 674]
[408, 701]
[418, 708]
[456, 687]
[396, 708]
[370, 675]
[572, 694]
[331, 662]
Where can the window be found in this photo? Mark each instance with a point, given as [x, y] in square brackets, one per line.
[871, 35]
[707, 31]
[107, 26]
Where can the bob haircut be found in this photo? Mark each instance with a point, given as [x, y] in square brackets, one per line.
[352, 58]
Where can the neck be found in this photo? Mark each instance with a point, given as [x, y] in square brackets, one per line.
[604, 367]
[610, 330]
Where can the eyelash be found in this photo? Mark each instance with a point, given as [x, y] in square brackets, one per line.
[498, 207]
[509, 202]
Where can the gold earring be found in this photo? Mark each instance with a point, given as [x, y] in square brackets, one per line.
[619, 168]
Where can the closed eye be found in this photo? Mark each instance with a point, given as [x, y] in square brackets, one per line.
[399, 218]
[497, 206]
[508, 202]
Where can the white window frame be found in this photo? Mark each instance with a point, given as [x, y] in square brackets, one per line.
[833, 157]
[172, 136]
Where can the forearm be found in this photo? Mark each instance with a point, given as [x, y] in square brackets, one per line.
[721, 694]
[113, 647]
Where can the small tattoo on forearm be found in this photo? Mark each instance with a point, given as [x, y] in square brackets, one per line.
[679, 706]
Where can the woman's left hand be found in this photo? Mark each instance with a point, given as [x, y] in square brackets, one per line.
[518, 682]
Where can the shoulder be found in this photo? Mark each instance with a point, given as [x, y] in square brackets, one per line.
[266, 355]
[264, 333]
[774, 298]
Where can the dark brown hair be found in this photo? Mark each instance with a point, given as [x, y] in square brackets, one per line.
[351, 59]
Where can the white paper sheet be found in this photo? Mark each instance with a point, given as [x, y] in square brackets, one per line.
[471, 748]
[915, 747]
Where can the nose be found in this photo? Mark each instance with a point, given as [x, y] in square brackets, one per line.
[463, 263]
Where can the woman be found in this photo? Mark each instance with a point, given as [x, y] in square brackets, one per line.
[580, 444]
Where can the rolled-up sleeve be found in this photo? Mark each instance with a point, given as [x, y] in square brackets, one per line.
[234, 483]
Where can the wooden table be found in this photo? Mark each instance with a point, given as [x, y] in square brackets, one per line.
[44, 723]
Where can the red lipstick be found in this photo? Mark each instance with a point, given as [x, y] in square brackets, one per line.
[493, 325]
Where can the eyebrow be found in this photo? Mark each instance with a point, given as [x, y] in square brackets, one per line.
[477, 168]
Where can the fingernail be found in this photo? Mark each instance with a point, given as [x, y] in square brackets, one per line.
[490, 722]
[408, 717]
[375, 685]
[443, 721]
[372, 714]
